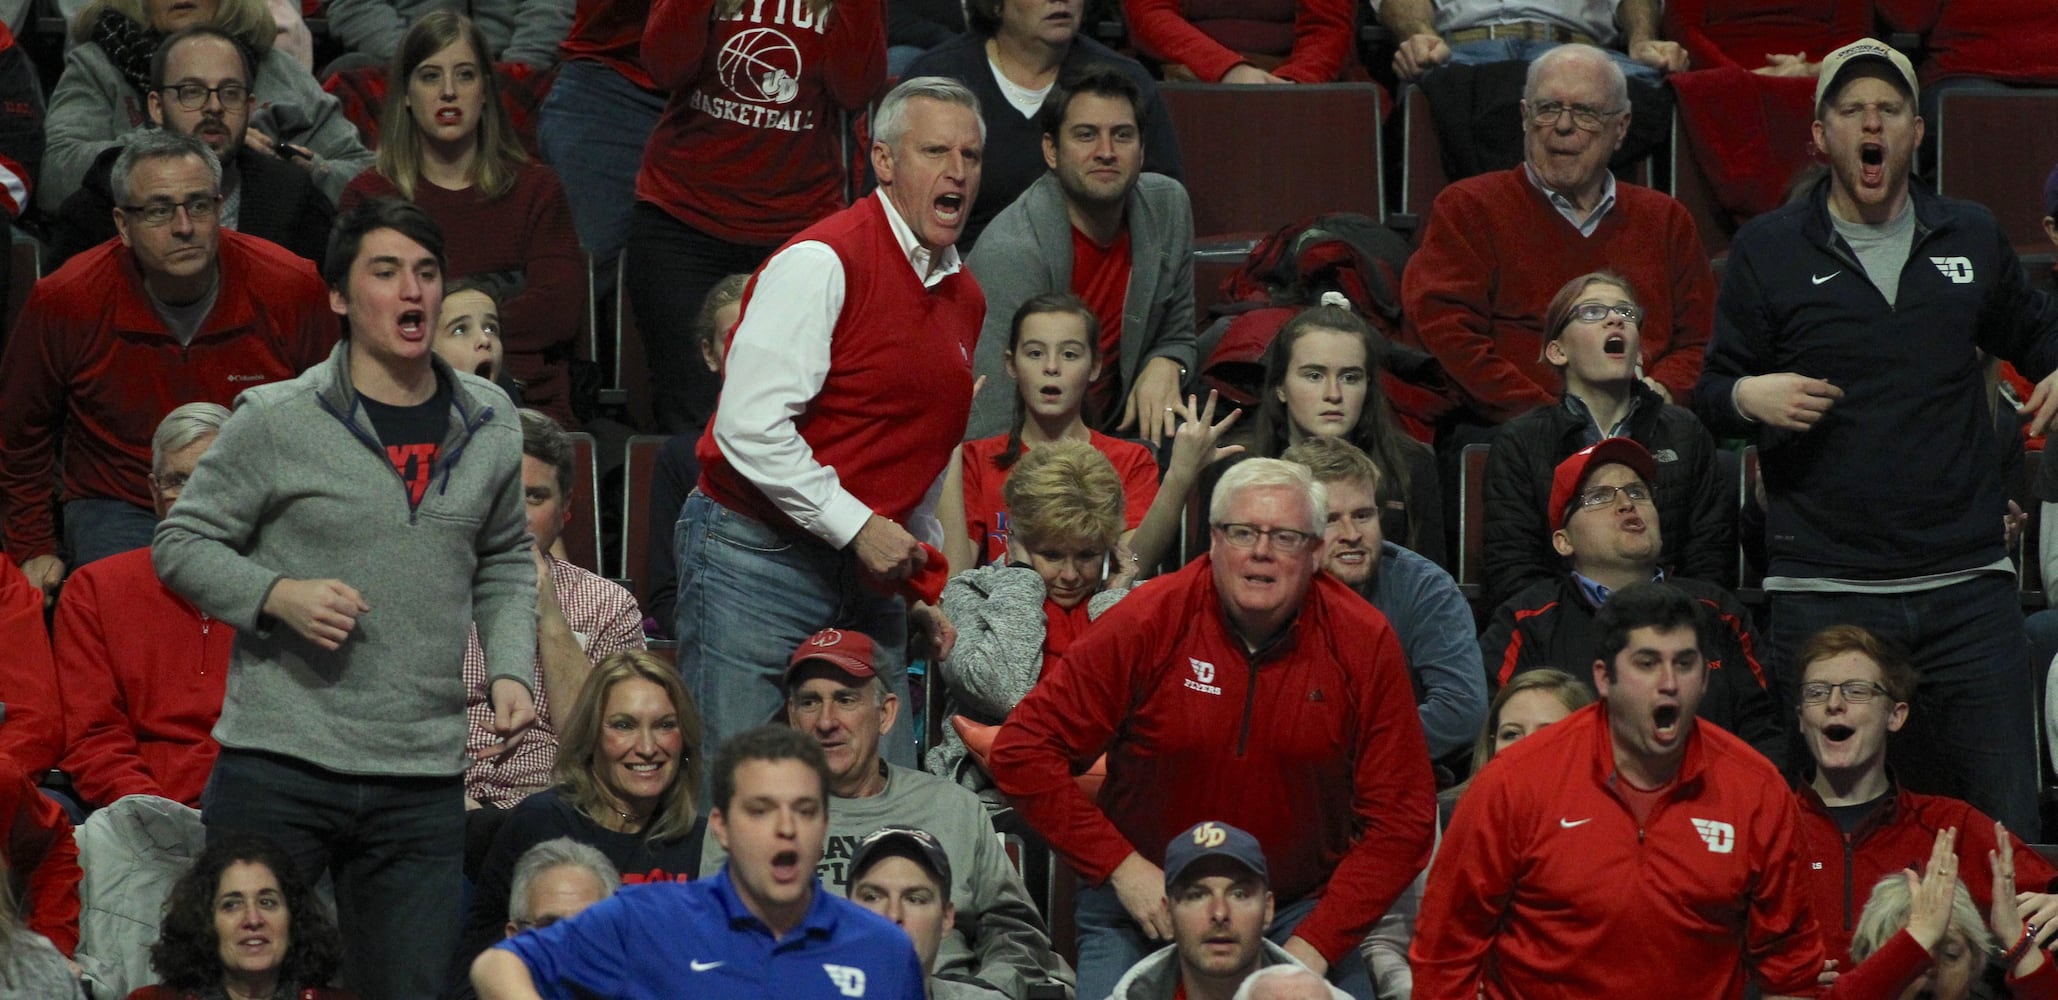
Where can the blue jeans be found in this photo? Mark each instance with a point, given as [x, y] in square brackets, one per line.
[395, 846]
[748, 597]
[1971, 733]
[1110, 942]
[1493, 50]
[592, 127]
[98, 527]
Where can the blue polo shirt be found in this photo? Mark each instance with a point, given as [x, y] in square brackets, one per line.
[678, 939]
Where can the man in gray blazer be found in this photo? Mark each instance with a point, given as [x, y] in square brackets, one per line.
[1096, 225]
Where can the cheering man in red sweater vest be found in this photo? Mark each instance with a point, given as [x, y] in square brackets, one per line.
[847, 384]
[1497, 247]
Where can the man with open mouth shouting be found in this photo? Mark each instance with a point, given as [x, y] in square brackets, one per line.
[1850, 332]
[845, 390]
[1625, 851]
[761, 926]
[1857, 823]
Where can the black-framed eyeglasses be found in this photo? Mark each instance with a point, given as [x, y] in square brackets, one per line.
[193, 96]
[1594, 312]
[1604, 496]
[1587, 118]
[1855, 692]
[1284, 540]
[157, 213]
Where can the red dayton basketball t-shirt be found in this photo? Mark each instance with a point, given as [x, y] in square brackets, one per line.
[412, 437]
[986, 515]
[1100, 277]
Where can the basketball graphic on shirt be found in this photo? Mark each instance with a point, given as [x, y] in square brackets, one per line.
[760, 65]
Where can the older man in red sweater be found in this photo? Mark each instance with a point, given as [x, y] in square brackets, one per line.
[1498, 246]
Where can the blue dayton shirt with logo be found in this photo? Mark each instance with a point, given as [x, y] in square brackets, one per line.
[667, 940]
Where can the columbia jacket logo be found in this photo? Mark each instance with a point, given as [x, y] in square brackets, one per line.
[1721, 837]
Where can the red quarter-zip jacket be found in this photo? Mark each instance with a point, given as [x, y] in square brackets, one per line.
[1312, 744]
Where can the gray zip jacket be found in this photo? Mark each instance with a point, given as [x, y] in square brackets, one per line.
[298, 486]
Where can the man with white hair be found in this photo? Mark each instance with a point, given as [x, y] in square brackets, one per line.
[1287, 982]
[1497, 247]
[1249, 689]
[143, 669]
[557, 880]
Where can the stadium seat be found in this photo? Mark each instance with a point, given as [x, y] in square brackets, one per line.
[1690, 185]
[1259, 157]
[1472, 521]
[582, 535]
[638, 472]
[1996, 149]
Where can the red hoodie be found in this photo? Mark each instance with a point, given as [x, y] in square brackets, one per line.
[1313, 745]
[92, 356]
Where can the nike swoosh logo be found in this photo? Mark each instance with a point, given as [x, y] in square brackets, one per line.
[1819, 279]
[1570, 823]
[702, 966]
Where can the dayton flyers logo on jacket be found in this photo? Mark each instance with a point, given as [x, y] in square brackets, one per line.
[1203, 679]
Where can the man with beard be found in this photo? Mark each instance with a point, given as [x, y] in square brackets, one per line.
[1101, 228]
[1852, 332]
[200, 86]
[1219, 902]
[1418, 598]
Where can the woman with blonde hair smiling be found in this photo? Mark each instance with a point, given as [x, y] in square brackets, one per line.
[104, 92]
[624, 782]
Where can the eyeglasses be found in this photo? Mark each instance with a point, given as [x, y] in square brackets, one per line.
[1587, 118]
[1604, 496]
[1594, 312]
[157, 213]
[537, 924]
[171, 482]
[1285, 541]
[1855, 692]
[193, 96]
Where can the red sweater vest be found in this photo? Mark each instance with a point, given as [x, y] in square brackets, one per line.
[900, 377]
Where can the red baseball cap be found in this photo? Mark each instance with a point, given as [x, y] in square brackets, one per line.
[1572, 472]
[847, 650]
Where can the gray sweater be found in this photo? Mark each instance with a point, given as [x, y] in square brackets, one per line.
[1009, 945]
[1027, 250]
[519, 31]
[998, 612]
[298, 486]
[94, 106]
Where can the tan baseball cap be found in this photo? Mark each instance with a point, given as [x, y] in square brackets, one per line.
[1834, 64]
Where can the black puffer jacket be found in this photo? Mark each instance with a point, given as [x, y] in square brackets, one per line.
[1697, 508]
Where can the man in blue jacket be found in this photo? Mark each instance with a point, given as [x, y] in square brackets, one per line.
[1850, 340]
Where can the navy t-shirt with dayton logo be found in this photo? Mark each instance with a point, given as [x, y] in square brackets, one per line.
[412, 436]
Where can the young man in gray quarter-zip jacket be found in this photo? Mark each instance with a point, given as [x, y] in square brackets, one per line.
[350, 523]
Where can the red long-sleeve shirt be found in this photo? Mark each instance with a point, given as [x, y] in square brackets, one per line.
[609, 32]
[1495, 251]
[1313, 745]
[2011, 40]
[92, 356]
[750, 146]
[1548, 886]
[143, 677]
[1314, 36]
[42, 857]
[32, 723]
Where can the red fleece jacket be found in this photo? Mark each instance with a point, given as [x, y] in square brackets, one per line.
[1312, 744]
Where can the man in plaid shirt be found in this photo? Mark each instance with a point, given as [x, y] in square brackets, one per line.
[581, 619]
